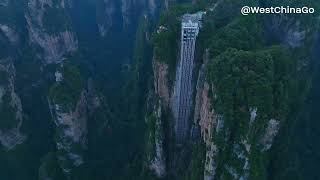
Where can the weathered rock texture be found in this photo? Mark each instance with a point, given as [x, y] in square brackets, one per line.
[71, 127]
[10, 136]
[12, 36]
[158, 161]
[55, 45]
[206, 118]
[161, 82]
[159, 104]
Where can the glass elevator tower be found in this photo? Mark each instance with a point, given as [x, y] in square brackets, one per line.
[190, 27]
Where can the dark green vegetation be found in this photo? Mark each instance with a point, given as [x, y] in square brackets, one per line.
[54, 16]
[197, 162]
[252, 66]
[7, 112]
[50, 162]
[115, 67]
[248, 70]
[68, 91]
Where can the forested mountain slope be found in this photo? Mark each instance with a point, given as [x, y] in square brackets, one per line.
[255, 94]
[87, 88]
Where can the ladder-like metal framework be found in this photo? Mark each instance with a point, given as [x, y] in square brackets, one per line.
[190, 27]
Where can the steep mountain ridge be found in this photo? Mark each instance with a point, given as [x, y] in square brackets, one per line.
[51, 97]
[246, 88]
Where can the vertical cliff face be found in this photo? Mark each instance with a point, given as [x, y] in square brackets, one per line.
[206, 118]
[245, 91]
[10, 33]
[49, 28]
[161, 85]
[10, 107]
[126, 10]
[71, 132]
[208, 122]
[159, 106]
[123, 15]
[105, 16]
[156, 148]
[50, 48]
[68, 106]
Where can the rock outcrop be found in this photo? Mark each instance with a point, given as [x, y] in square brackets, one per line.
[287, 30]
[158, 105]
[10, 107]
[130, 11]
[161, 82]
[206, 118]
[68, 104]
[271, 132]
[10, 33]
[207, 122]
[158, 158]
[55, 44]
[106, 16]
[71, 127]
